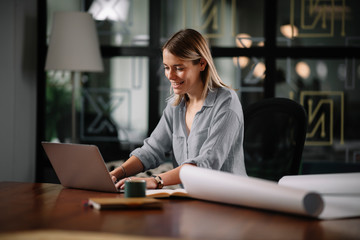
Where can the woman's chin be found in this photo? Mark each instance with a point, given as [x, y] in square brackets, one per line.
[178, 91]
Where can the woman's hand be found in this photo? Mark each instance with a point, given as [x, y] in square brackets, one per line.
[150, 182]
[170, 177]
[113, 177]
[131, 167]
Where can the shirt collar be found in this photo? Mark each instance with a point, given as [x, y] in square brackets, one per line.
[210, 98]
[209, 101]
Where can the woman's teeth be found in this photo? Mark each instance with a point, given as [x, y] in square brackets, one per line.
[177, 84]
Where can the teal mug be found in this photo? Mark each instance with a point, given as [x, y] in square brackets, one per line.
[135, 188]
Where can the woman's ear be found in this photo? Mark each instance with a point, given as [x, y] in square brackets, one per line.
[203, 64]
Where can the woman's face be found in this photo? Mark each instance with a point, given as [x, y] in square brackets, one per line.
[184, 76]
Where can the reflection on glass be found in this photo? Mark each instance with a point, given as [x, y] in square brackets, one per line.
[259, 70]
[243, 74]
[318, 23]
[219, 20]
[243, 40]
[118, 22]
[112, 110]
[122, 22]
[241, 61]
[117, 10]
[302, 69]
[126, 85]
[289, 31]
[330, 97]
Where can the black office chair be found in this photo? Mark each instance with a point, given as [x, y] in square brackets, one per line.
[274, 137]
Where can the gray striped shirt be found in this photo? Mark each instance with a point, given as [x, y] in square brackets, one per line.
[215, 140]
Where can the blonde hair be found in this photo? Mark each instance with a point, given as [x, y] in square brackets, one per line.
[190, 45]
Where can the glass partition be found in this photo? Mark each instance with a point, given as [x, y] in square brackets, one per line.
[111, 107]
[121, 23]
[118, 23]
[329, 91]
[223, 22]
[118, 108]
[318, 23]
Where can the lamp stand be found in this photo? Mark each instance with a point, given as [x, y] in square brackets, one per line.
[74, 94]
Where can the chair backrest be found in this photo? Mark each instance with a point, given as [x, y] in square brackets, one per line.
[274, 137]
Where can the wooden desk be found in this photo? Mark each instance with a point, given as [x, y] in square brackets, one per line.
[36, 206]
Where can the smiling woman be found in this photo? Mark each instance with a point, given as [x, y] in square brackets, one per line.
[185, 79]
[202, 124]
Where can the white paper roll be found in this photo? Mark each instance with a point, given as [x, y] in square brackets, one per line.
[211, 185]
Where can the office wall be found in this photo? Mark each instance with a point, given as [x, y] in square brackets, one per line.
[18, 62]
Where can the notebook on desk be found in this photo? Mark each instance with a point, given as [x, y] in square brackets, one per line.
[79, 166]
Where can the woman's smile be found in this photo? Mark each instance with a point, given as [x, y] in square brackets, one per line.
[176, 84]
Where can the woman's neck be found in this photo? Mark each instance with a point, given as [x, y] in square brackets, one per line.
[195, 97]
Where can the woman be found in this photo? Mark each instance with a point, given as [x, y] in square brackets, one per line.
[202, 123]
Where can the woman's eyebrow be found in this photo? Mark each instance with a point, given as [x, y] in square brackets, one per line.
[175, 65]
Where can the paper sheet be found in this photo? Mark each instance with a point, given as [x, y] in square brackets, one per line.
[228, 188]
[340, 191]
[335, 183]
[340, 206]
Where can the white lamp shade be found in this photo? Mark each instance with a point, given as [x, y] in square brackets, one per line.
[74, 44]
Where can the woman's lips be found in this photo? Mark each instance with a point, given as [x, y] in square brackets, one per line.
[177, 84]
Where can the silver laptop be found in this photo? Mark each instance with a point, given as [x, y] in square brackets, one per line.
[79, 166]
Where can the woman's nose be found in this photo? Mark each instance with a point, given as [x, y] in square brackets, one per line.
[171, 74]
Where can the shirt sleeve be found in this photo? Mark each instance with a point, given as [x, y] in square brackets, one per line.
[152, 153]
[223, 136]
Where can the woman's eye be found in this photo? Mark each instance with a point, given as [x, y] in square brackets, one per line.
[174, 69]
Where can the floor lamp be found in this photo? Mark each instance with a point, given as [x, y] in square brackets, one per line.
[74, 47]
